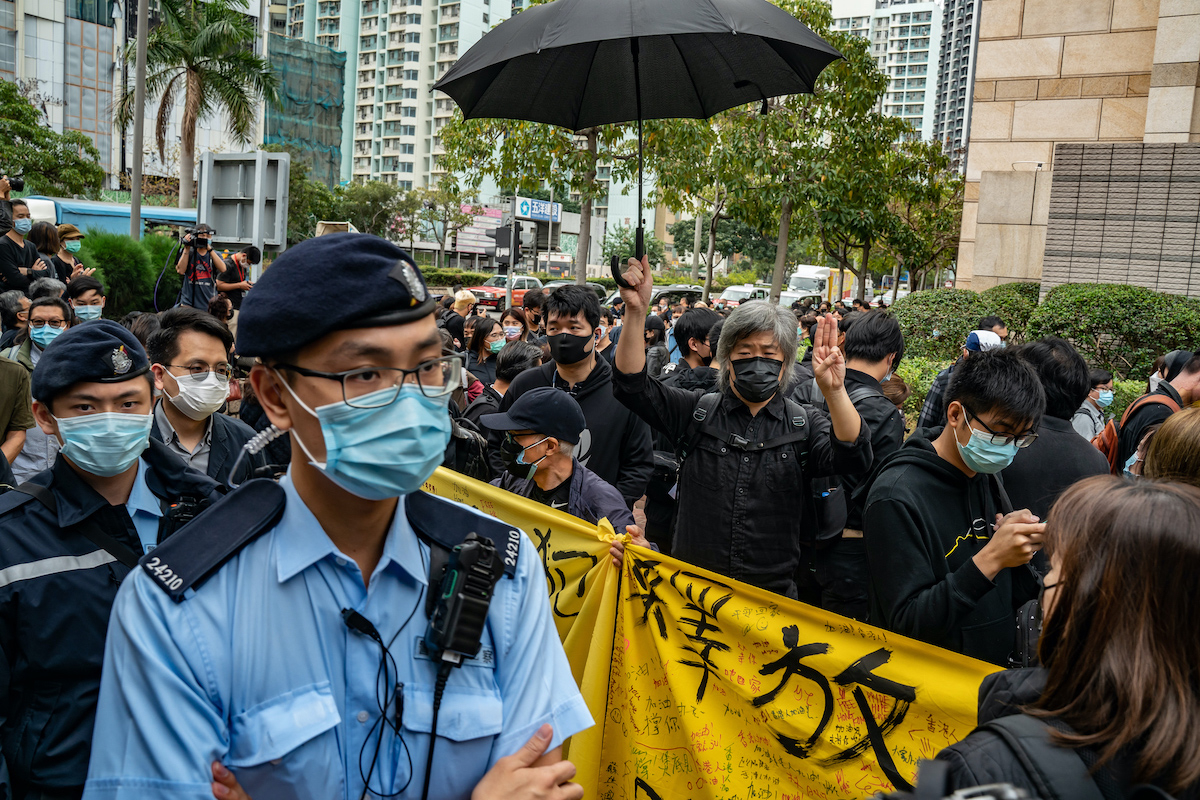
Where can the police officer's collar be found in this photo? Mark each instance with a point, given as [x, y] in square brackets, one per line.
[307, 543]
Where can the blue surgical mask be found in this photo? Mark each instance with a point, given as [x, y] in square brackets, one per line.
[22, 226]
[980, 455]
[104, 444]
[1129, 465]
[44, 335]
[1105, 399]
[385, 452]
[86, 313]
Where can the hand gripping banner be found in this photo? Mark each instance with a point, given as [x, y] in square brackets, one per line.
[704, 687]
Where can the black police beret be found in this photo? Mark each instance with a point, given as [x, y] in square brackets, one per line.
[326, 284]
[100, 351]
[546, 411]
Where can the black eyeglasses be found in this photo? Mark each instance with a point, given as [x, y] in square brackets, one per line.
[199, 372]
[375, 387]
[1003, 439]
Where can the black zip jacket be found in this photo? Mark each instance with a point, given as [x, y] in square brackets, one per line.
[923, 521]
[56, 591]
[615, 444]
[743, 513]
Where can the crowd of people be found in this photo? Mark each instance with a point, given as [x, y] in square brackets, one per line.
[766, 444]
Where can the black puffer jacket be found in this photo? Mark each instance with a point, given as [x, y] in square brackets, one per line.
[984, 758]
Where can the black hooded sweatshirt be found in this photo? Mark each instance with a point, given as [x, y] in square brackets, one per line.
[615, 444]
[923, 521]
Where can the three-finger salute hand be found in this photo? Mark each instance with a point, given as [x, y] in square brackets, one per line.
[829, 365]
[517, 777]
[637, 274]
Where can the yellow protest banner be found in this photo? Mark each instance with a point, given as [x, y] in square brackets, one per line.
[704, 687]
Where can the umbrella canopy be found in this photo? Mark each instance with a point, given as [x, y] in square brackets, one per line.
[576, 63]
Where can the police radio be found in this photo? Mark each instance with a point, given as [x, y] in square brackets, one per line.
[459, 614]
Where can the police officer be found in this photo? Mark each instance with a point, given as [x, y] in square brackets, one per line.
[281, 640]
[68, 537]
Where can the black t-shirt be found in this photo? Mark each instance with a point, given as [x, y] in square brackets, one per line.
[558, 497]
[13, 258]
[233, 274]
[63, 269]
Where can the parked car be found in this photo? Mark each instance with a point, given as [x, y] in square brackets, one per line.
[595, 287]
[887, 297]
[491, 294]
[736, 295]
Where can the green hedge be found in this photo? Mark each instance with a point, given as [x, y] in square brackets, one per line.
[1116, 327]
[1124, 393]
[1014, 303]
[123, 266]
[952, 313]
[918, 373]
[449, 277]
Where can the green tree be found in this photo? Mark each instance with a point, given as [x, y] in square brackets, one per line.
[202, 50]
[441, 214]
[730, 236]
[620, 240]
[370, 206]
[51, 163]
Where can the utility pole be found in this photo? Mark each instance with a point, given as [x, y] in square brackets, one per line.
[550, 237]
[139, 120]
[512, 255]
[696, 248]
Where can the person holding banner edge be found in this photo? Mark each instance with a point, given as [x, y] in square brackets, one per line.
[747, 448]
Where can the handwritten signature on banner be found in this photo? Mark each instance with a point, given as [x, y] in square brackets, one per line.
[704, 687]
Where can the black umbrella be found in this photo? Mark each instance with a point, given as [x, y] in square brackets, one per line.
[579, 63]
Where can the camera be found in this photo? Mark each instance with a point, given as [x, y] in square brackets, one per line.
[16, 184]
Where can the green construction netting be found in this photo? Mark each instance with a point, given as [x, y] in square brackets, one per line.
[308, 118]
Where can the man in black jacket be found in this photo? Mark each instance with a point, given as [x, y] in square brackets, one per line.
[1180, 387]
[616, 444]
[874, 346]
[948, 557]
[189, 354]
[67, 539]
[1060, 456]
[742, 509]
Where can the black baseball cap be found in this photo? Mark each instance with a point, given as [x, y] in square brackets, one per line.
[545, 410]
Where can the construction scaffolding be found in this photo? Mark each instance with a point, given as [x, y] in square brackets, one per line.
[308, 119]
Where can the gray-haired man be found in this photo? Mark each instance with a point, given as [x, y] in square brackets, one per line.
[748, 451]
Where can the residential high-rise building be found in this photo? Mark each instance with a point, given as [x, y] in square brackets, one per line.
[956, 76]
[395, 51]
[903, 35]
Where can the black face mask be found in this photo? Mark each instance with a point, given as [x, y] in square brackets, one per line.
[756, 379]
[567, 348]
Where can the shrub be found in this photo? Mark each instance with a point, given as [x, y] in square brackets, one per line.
[1013, 303]
[918, 373]
[123, 266]
[1116, 327]
[1124, 393]
[951, 313]
[449, 277]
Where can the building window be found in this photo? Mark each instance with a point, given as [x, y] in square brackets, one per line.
[406, 166]
[97, 11]
[407, 149]
[408, 111]
[412, 56]
[408, 94]
[408, 130]
[412, 37]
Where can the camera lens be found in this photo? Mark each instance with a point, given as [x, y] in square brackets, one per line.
[17, 184]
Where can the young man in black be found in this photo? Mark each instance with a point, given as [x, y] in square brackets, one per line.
[948, 556]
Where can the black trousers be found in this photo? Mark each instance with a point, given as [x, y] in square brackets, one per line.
[842, 575]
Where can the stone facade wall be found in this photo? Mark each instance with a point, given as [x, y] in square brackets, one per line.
[1125, 213]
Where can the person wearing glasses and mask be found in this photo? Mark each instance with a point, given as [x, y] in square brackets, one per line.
[278, 647]
[189, 356]
[948, 555]
[71, 535]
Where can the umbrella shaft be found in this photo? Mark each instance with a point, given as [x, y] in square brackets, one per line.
[639, 245]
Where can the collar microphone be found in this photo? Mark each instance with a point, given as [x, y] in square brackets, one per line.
[360, 624]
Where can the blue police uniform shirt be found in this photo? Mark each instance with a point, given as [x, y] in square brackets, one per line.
[144, 509]
[258, 670]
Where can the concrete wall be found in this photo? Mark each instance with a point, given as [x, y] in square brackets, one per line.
[1047, 71]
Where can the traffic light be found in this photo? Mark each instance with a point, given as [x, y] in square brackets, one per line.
[500, 250]
[520, 244]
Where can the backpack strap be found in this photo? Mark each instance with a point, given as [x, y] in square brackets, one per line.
[201, 547]
[1058, 773]
[89, 528]
[1146, 400]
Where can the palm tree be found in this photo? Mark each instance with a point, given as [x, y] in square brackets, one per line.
[202, 49]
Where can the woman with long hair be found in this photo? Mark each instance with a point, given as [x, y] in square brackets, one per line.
[1120, 686]
[514, 325]
[485, 343]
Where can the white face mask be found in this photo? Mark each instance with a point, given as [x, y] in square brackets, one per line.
[199, 399]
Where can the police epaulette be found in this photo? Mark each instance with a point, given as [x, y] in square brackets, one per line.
[447, 524]
[198, 549]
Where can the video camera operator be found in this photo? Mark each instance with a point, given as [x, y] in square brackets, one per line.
[199, 265]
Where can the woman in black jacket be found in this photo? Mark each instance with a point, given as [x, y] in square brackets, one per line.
[1119, 687]
[657, 356]
[486, 341]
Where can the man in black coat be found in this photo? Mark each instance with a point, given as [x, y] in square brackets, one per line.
[1059, 457]
[616, 443]
[68, 537]
[189, 354]
[1179, 389]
